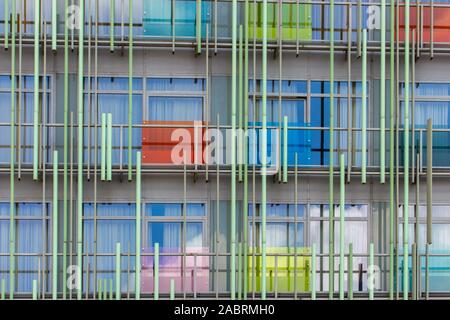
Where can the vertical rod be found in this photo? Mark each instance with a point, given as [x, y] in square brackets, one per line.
[172, 289]
[383, 93]
[130, 94]
[233, 153]
[109, 147]
[413, 103]
[37, 24]
[341, 226]
[239, 277]
[331, 160]
[349, 93]
[105, 289]
[427, 271]
[371, 271]
[35, 290]
[118, 271]
[313, 272]
[359, 27]
[240, 104]
[391, 149]
[285, 149]
[111, 289]
[12, 240]
[432, 29]
[350, 271]
[138, 228]
[54, 24]
[103, 148]
[6, 23]
[364, 109]
[112, 18]
[414, 271]
[245, 204]
[156, 272]
[406, 155]
[429, 180]
[198, 26]
[264, 150]
[55, 227]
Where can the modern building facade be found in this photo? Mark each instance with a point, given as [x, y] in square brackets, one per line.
[171, 149]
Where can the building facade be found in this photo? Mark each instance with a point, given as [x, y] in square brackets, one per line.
[158, 149]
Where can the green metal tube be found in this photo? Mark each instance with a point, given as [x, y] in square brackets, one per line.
[80, 99]
[331, 161]
[112, 18]
[172, 289]
[109, 147]
[105, 289]
[6, 23]
[392, 106]
[54, 24]
[103, 148]
[37, 23]
[100, 289]
[12, 241]
[313, 271]
[364, 109]
[3, 290]
[55, 228]
[118, 271]
[34, 290]
[239, 277]
[264, 152]
[198, 26]
[245, 204]
[371, 268]
[350, 271]
[285, 149]
[111, 290]
[156, 272]
[406, 155]
[341, 226]
[138, 227]
[130, 95]
[383, 93]
[414, 272]
[240, 102]
[233, 153]
[429, 180]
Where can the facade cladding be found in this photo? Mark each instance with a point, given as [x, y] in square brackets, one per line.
[157, 149]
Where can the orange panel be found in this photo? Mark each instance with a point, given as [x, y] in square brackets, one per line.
[158, 143]
[441, 27]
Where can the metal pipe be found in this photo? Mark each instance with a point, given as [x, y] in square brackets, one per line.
[429, 180]
[172, 289]
[383, 92]
[371, 271]
[109, 147]
[35, 290]
[341, 226]
[156, 272]
[112, 18]
[138, 228]
[103, 149]
[240, 104]
[285, 149]
[130, 93]
[54, 24]
[359, 27]
[55, 227]
[331, 160]
[233, 152]
[111, 289]
[391, 150]
[414, 271]
[100, 289]
[413, 104]
[406, 155]
[313, 272]
[364, 110]
[198, 26]
[239, 268]
[264, 149]
[350, 271]
[37, 24]
[245, 200]
[431, 29]
[118, 271]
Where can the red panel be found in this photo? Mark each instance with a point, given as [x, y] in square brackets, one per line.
[158, 143]
[441, 28]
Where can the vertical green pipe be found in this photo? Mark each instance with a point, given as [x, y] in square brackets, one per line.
[331, 161]
[103, 148]
[118, 271]
[350, 271]
[37, 23]
[111, 289]
[240, 102]
[198, 26]
[392, 106]
[3, 290]
[54, 24]
[285, 149]
[156, 272]
[245, 211]
[406, 155]
[429, 180]
[138, 227]
[12, 241]
[109, 147]
[313, 272]
[364, 109]
[55, 227]
[233, 153]
[172, 289]
[371, 272]
[6, 24]
[100, 289]
[383, 93]
[414, 272]
[80, 99]
[341, 226]
[239, 277]
[130, 94]
[112, 18]
[105, 289]
[264, 151]
[34, 290]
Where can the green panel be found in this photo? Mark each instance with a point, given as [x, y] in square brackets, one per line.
[289, 27]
